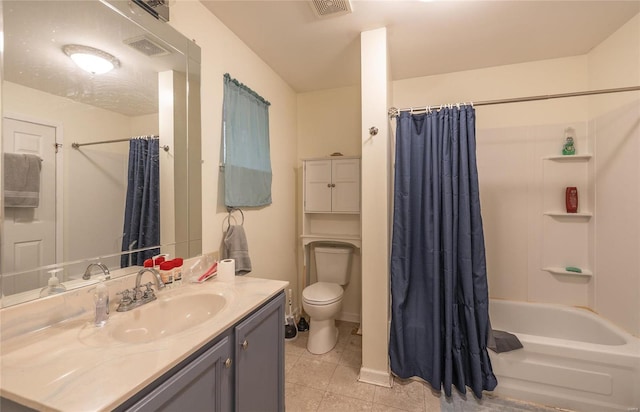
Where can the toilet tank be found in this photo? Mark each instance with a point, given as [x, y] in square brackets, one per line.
[333, 264]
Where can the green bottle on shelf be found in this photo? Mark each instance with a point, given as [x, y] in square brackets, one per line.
[569, 148]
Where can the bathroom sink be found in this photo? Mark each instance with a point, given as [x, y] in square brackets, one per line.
[167, 316]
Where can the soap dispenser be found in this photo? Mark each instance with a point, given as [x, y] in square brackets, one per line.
[54, 286]
[101, 298]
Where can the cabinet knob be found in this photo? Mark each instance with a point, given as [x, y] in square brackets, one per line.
[245, 344]
[333, 185]
[227, 363]
[328, 184]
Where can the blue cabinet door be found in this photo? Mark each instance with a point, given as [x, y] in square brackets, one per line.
[204, 384]
[259, 356]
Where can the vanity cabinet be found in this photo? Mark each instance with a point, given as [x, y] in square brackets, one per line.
[332, 185]
[240, 370]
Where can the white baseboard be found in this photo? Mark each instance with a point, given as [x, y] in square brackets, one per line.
[349, 317]
[375, 377]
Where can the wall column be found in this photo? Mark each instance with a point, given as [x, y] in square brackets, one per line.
[375, 208]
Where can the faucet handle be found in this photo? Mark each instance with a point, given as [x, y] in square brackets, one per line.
[148, 293]
[137, 294]
[126, 296]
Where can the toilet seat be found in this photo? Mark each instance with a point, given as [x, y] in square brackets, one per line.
[322, 293]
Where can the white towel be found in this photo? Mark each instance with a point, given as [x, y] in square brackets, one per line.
[237, 248]
[21, 180]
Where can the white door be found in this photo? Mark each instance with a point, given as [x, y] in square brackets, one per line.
[29, 234]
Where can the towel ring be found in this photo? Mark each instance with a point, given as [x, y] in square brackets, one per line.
[230, 216]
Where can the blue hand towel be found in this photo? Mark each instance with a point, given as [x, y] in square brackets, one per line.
[237, 248]
[21, 180]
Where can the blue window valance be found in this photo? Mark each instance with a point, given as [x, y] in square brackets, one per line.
[246, 153]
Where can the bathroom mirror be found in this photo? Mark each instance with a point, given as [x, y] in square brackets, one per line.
[49, 103]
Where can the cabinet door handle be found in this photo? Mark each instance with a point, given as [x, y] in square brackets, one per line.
[245, 344]
[227, 363]
[328, 184]
[333, 185]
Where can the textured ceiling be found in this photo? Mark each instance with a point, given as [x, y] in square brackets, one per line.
[35, 32]
[425, 38]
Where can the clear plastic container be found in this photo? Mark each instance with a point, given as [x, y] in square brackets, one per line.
[101, 298]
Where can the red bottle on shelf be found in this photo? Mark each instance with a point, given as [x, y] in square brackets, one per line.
[571, 198]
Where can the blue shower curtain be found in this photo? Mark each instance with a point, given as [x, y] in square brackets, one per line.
[142, 209]
[440, 321]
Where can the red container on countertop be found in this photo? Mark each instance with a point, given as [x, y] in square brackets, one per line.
[571, 199]
[166, 272]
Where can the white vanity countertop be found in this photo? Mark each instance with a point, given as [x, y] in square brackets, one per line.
[75, 366]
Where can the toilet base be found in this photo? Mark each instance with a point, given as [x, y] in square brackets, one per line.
[323, 336]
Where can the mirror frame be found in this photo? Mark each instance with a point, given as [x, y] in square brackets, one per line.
[186, 148]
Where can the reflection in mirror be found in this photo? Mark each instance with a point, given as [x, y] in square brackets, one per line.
[49, 103]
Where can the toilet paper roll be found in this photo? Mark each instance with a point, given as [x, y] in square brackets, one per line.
[227, 270]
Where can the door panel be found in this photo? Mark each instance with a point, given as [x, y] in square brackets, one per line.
[29, 234]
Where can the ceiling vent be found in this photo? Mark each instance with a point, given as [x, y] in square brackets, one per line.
[330, 8]
[146, 46]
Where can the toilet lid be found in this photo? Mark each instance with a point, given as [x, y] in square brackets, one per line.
[322, 293]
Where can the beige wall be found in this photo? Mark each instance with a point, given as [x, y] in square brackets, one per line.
[615, 129]
[271, 230]
[328, 122]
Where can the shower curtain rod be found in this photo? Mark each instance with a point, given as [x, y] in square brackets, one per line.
[394, 112]
[77, 145]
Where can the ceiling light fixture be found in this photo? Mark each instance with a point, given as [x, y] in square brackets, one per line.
[95, 61]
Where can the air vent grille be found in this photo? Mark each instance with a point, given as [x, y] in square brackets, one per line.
[146, 46]
[331, 8]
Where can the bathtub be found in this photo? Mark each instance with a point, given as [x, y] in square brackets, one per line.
[571, 358]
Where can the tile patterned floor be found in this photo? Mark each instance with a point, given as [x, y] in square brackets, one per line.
[328, 383]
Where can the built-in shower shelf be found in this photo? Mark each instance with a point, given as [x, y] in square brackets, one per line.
[568, 158]
[564, 214]
[563, 271]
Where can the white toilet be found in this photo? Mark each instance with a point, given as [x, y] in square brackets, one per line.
[323, 300]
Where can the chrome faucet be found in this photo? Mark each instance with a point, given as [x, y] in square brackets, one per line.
[102, 266]
[139, 297]
[156, 276]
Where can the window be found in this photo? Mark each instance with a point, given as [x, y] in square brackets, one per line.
[246, 154]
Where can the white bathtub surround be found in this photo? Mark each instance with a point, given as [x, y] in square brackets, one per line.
[572, 358]
[70, 365]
